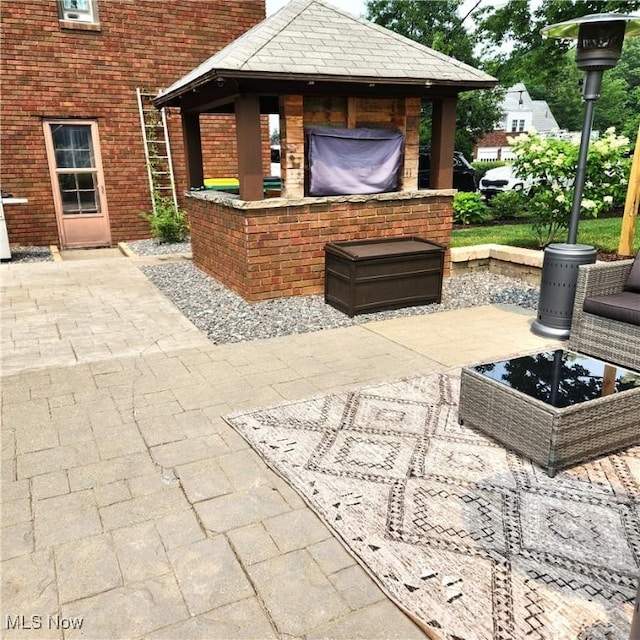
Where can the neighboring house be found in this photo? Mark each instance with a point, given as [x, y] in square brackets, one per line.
[519, 114]
[71, 130]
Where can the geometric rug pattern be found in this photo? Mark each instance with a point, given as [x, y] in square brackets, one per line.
[474, 542]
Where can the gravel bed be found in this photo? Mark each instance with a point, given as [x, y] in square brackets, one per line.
[30, 254]
[155, 247]
[225, 317]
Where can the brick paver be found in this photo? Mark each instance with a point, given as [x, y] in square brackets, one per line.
[129, 503]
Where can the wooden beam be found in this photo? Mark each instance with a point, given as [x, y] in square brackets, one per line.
[249, 137]
[220, 105]
[443, 133]
[192, 149]
[625, 246]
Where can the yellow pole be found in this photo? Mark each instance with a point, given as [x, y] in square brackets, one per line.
[625, 247]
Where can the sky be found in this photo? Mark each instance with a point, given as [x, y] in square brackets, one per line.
[352, 6]
[357, 7]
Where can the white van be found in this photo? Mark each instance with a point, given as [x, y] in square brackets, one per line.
[502, 179]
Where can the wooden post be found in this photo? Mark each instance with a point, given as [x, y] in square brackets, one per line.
[249, 137]
[292, 146]
[625, 247]
[192, 149]
[443, 133]
[352, 112]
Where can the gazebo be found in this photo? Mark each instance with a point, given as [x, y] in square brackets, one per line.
[315, 66]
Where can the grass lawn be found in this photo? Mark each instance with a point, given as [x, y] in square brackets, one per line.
[604, 234]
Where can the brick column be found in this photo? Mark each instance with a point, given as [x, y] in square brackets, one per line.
[292, 146]
[411, 130]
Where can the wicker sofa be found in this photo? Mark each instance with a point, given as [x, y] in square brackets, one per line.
[613, 340]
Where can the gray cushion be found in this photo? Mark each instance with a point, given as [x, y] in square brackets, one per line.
[633, 280]
[624, 306]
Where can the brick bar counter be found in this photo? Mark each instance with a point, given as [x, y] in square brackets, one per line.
[275, 247]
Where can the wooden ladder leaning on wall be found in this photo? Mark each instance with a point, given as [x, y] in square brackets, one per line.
[157, 149]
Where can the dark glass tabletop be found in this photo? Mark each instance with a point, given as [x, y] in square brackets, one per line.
[561, 378]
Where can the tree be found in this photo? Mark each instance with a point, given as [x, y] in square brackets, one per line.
[628, 71]
[617, 106]
[434, 24]
[547, 66]
[519, 23]
[439, 25]
[563, 93]
[550, 164]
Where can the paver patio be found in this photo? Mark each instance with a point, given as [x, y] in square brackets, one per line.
[128, 503]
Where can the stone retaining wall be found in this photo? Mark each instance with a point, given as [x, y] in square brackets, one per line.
[514, 262]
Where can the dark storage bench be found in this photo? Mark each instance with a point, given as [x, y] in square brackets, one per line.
[370, 275]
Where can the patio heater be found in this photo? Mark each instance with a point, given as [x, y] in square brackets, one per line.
[600, 38]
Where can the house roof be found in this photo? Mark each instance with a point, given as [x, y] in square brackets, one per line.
[516, 98]
[313, 40]
[541, 117]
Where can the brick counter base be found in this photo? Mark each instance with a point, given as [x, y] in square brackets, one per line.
[274, 248]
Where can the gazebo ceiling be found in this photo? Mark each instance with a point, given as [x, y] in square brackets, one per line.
[311, 47]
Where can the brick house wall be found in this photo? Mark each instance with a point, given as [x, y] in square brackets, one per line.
[275, 248]
[497, 139]
[49, 71]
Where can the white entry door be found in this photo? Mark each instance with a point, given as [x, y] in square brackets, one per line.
[77, 180]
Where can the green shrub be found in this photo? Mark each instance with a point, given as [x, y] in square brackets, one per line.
[552, 163]
[168, 222]
[482, 166]
[508, 205]
[469, 208]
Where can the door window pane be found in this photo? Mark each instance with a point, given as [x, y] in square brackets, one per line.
[74, 150]
[88, 201]
[79, 193]
[73, 146]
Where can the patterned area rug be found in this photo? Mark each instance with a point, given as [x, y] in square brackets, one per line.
[472, 541]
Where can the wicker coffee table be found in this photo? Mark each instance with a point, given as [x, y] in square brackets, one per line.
[557, 408]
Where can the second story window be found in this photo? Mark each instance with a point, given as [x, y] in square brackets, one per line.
[81, 12]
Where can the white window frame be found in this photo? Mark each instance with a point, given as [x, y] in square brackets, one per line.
[487, 154]
[87, 14]
[506, 153]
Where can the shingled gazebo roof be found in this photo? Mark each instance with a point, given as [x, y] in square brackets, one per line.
[310, 41]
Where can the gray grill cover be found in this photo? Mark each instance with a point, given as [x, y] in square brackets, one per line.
[354, 161]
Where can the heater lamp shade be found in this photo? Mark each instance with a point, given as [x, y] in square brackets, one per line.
[570, 29]
[599, 37]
